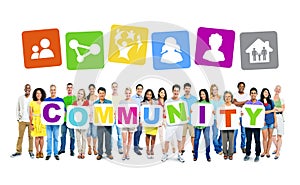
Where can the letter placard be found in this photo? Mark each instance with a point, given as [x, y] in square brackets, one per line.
[103, 115]
[151, 115]
[228, 118]
[128, 115]
[176, 113]
[78, 117]
[202, 114]
[52, 113]
[253, 116]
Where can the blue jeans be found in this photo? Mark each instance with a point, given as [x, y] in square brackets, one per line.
[216, 141]
[63, 137]
[119, 133]
[52, 133]
[92, 131]
[243, 137]
[207, 141]
[136, 137]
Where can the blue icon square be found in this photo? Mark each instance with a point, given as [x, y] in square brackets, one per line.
[171, 50]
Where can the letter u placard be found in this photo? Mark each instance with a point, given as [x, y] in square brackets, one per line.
[151, 115]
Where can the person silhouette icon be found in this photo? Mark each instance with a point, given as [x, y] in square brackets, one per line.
[45, 52]
[214, 55]
[35, 54]
[171, 52]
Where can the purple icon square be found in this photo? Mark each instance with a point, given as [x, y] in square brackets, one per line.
[214, 47]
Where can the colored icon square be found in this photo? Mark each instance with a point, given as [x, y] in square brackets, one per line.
[84, 50]
[41, 48]
[171, 50]
[259, 50]
[214, 47]
[128, 44]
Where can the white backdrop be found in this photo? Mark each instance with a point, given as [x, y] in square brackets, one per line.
[75, 16]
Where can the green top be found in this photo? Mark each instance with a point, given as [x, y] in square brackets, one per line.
[202, 127]
[278, 103]
[68, 100]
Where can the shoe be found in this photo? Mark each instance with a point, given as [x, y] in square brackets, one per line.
[234, 152]
[195, 159]
[225, 157]
[82, 156]
[95, 151]
[173, 150]
[256, 158]
[140, 148]
[262, 155]
[230, 157]
[37, 155]
[164, 157]
[152, 154]
[99, 157]
[180, 159]
[148, 154]
[182, 151]
[15, 155]
[268, 155]
[246, 158]
[31, 155]
[220, 153]
[244, 150]
[56, 157]
[48, 157]
[208, 159]
[124, 157]
[127, 157]
[72, 153]
[41, 155]
[274, 152]
[120, 151]
[110, 157]
[276, 157]
[192, 151]
[90, 150]
[61, 152]
[138, 152]
[79, 156]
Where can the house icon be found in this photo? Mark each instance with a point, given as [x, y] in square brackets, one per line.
[259, 51]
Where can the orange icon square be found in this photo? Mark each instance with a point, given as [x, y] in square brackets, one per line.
[41, 48]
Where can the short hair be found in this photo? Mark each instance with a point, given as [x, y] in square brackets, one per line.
[139, 85]
[128, 89]
[27, 85]
[114, 83]
[228, 92]
[69, 84]
[92, 85]
[253, 89]
[42, 92]
[175, 86]
[101, 89]
[187, 85]
[52, 85]
[240, 84]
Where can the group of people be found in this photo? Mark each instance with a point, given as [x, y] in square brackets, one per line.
[224, 141]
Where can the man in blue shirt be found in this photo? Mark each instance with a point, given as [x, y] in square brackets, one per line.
[190, 100]
[138, 97]
[103, 130]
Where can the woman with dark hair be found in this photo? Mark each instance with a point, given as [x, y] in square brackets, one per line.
[270, 121]
[204, 98]
[92, 130]
[149, 99]
[38, 129]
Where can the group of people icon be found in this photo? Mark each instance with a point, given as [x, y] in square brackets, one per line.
[45, 52]
[263, 53]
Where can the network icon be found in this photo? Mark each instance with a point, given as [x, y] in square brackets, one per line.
[93, 49]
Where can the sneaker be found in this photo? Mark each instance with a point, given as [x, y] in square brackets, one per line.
[244, 150]
[61, 152]
[140, 148]
[48, 157]
[164, 157]
[220, 153]
[180, 159]
[120, 151]
[138, 152]
[31, 155]
[72, 153]
[110, 157]
[256, 158]
[246, 158]
[182, 151]
[56, 157]
[99, 157]
[15, 155]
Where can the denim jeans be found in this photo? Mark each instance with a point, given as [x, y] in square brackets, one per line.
[206, 138]
[92, 131]
[52, 137]
[136, 137]
[256, 133]
[243, 136]
[119, 133]
[216, 141]
[63, 137]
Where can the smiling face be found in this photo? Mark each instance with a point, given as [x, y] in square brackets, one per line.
[149, 95]
[69, 89]
[38, 95]
[101, 95]
[114, 88]
[228, 98]
[162, 94]
[241, 88]
[92, 90]
[266, 93]
[187, 90]
[176, 92]
[27, 90]
[80, 95]
[202, 95]
[215, 91]
[253, 95]
[127, 94]
[53, 91]
[139, 90]
[277, 89]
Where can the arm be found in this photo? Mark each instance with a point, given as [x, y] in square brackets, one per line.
[239, 104]
[30, 118]
[275, 120]
[18, 110]
[280, 109]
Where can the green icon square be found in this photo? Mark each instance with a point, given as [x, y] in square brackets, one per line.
[84, 50]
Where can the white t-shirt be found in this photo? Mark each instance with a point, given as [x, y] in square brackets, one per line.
[241, 97]
[25, 114]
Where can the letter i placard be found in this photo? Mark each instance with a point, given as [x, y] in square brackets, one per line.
[202, 114]
[52, 112]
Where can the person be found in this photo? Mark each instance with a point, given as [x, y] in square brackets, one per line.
[240, 99]
[22, 115]
[279, 131]
[270, 121]
[175, 129]
[103, 130]
[227, 135]
[170, 51]
[68, 100]
[137, 134]
[127, 132]
[92, 130]
[217, 101]
[190, 100]
[38, 129]
[52, 130]
[204, 98]
[81, 134]
[116, 98]
[254, 131]
[149, 99]
[214, 54]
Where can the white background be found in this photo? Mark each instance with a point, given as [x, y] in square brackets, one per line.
[72, 16]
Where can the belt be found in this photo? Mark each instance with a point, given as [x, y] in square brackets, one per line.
[278, 112]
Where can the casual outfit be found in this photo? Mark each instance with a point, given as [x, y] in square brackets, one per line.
[39, 129]
[269, 118]
[217, 136]
[280, 121]
[188, 126]
[139, 129]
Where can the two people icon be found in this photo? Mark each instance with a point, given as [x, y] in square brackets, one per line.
[44, 53]
[263, 53]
